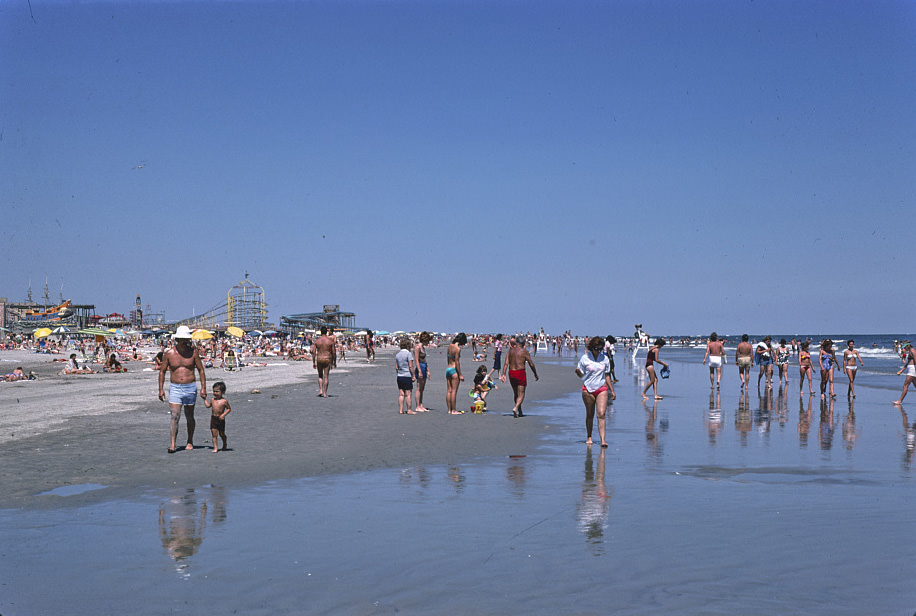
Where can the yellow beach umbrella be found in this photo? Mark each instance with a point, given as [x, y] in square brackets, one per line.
[42, 332]
[201, 334]
[234, 331]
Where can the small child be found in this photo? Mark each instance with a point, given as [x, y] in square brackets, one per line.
[482, 386]
[220, 408]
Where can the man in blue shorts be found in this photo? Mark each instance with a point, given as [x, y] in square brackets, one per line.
[182, 360]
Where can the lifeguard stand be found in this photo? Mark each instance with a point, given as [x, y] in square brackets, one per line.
[542, 341]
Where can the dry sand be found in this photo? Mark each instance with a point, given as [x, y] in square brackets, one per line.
[111, 430]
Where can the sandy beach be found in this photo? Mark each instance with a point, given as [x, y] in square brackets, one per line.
[111, 430]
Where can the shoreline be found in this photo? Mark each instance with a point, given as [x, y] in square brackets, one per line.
[110, 429]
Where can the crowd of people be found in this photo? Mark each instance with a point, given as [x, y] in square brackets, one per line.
[185, 360]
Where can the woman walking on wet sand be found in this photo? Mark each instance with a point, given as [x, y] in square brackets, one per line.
[850, 355]
[594, 368]
[453, 373]
[805, 369]
[827, 360]
[651, 358]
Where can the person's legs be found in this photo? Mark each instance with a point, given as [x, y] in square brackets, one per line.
[519, 398]
[823, 382]
[215, 434]
[830, 378]
[650, 371]
[851, 388]
[906, 387]
[421, 385]
[190, 423]
[175, 416]
[451, 395]
[601, 411]
[589, 401]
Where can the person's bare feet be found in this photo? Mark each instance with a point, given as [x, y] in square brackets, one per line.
[588, 441]
[215, 450]
[189, 446]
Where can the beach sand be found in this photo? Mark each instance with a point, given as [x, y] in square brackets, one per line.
[111, 429]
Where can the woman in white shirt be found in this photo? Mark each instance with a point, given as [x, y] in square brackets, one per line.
[594, 369]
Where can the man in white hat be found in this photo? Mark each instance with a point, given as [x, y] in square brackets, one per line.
[181, 360]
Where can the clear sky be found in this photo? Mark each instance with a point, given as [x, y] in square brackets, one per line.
[468, 165]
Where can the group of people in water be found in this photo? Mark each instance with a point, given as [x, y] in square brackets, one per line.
[766, 355]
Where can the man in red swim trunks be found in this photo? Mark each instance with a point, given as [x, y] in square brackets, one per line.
[518, 378]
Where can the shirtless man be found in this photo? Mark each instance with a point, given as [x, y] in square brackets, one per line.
[715, 353]
[324, 357]
[518, 378]
[182, 360]
[744, 357]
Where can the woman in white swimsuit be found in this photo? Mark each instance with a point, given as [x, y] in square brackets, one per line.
[910, 367]
[850, 355]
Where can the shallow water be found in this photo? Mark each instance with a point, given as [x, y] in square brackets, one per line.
[703, 504]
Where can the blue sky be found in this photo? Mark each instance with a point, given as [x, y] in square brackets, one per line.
[463, 165]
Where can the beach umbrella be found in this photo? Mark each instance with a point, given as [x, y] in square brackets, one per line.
[235, 332]
[255, 332]
[117, 331]
[201, 334]
[42, 332]
[61, 330]
[94, 331]
[269, 332]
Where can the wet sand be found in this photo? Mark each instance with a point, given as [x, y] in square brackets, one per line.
[111, 430]
[704, 503]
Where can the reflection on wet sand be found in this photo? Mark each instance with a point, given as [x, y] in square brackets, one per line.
[592, 512]
[826, 429]
[850, 433]
[653, 442]
[714, 420]
[909, 440]
[804, 420]
[743, 421]
[515, 473]
[182, 520]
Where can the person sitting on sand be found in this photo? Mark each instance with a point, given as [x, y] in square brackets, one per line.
[73, 367]
[113, 365]
[219, 408]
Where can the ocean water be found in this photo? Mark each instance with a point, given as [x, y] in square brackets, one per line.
[705, 503]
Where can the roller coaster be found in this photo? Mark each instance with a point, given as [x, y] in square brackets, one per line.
[245, 307]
